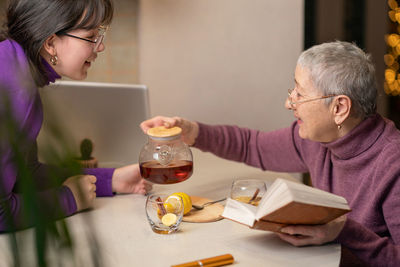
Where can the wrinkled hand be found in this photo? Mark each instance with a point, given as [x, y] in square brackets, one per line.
[83, 188]
[190, 129]
[312, 234]
[128, 180]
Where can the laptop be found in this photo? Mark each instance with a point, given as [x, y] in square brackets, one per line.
[108, 114]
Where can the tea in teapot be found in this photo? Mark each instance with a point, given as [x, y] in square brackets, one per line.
[165, 159]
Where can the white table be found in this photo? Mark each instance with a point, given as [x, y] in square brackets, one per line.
[125, 237]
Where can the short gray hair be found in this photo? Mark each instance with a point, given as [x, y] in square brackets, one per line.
[341, 68]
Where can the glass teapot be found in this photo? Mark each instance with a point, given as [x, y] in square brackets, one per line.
[165, 158]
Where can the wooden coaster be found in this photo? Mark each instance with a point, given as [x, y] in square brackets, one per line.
[210, 213]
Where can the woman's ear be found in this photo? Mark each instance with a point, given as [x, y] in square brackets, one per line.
[341, 108]
[49, 45]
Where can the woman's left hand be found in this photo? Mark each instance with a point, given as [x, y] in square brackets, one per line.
[128, 180]
[303, 235]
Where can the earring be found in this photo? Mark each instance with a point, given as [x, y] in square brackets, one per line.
[339, 126]
[54, 60]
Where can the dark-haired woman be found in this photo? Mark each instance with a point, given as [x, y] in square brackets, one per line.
[45, 40]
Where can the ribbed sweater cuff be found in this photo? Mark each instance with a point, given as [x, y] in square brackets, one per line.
[104, 180]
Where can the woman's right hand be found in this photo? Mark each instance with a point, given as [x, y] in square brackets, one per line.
[83, 188]
[190, 129]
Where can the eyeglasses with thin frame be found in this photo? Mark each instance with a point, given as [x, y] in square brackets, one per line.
[97, 41]
[293, 103]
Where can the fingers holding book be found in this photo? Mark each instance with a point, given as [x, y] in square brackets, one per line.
[304, 235]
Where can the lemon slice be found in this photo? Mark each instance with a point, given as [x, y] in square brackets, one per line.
[169, 219]
[173, 204]
[187, 201]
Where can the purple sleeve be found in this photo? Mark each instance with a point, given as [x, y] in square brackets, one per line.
[25, 111]
[381, 249]
[368, 246]
[55, 203]
[275, 151]
[103, 183]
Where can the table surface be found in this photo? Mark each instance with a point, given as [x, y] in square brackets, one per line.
[124, 236]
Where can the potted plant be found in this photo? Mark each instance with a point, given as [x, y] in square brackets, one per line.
[86, 160]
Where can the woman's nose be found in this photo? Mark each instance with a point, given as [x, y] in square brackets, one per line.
[288, 105]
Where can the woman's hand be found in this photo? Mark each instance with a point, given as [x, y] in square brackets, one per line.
[313, 235]
[190, 129]
[128, 180]
[83, 188]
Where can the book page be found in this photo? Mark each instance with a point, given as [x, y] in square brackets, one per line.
[239, 212]
[274, 189]
[282, 192]
[278, 196]
[310, 195]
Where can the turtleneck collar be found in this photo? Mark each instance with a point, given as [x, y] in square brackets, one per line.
[50, 72]
[358, 139]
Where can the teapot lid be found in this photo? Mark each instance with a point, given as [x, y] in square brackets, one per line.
[163, 132]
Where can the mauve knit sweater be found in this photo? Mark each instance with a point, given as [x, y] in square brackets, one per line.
[17, 82]
[363, 167]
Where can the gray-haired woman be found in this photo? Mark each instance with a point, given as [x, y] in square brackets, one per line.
[338, 138]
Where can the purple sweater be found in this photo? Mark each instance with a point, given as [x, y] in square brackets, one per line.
[17, 82]
[363, 167]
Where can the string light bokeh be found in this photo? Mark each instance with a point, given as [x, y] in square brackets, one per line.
[392, 76]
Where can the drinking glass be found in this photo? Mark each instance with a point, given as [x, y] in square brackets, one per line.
[248, 191]
[164, 213]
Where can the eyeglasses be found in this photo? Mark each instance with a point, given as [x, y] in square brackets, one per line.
[293, 103]
[97, 41]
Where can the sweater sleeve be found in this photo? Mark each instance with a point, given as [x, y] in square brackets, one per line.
[42, 181]
[379, 247]
[47, 176]
[368, 246]
[15, 212]
[275, 151]
[103, 183]
[27, 193]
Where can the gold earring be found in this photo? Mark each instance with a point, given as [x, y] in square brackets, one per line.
[339, 126]
[54, 60]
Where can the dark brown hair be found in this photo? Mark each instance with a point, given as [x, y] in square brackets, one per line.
[31, 22]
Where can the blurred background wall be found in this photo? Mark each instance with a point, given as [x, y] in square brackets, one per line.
[220, 61]
[229, 61]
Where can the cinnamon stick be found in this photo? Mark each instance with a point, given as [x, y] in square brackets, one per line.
[254, 196]
[161, 206]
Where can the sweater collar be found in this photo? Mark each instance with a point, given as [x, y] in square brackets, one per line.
[50, 72]
[359, 139]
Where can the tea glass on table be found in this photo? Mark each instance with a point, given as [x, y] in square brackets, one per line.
[164, 213]
[249, 191]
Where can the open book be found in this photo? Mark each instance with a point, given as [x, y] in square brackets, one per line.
[285, 203]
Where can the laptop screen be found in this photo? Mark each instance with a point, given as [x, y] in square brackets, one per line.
[108, 114]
